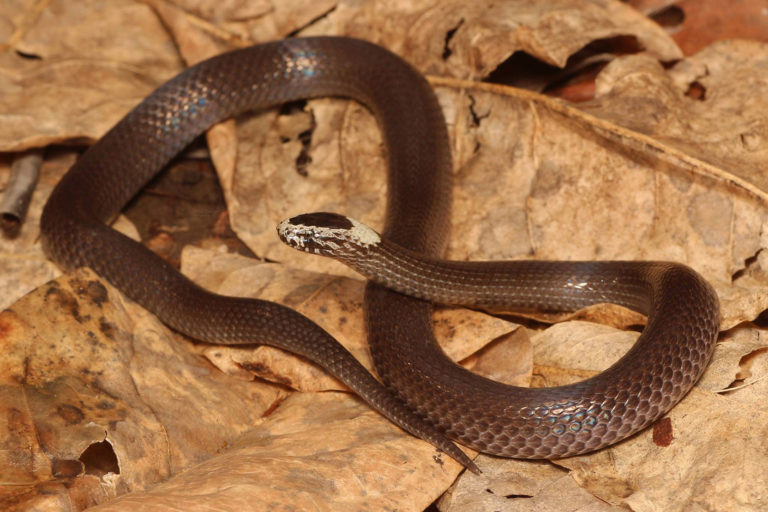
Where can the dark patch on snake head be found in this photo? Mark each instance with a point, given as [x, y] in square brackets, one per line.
[323, 220]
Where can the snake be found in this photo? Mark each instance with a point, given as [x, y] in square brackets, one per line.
[669, 356]
[419, 387]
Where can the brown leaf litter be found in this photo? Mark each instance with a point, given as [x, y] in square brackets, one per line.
[100, 400]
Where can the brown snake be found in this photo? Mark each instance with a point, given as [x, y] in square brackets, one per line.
[669, 357]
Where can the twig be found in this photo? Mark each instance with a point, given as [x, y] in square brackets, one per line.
[25, 171]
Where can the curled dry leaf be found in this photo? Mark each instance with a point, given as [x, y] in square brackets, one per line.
[94, 369]
[280, 464]
[470, 39]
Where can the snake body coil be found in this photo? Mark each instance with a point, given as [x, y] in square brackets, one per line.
[669, 357]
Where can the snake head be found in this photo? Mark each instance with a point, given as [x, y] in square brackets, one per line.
[328, 234]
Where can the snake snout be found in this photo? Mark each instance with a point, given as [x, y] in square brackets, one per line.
[297, 236]
[327, 234]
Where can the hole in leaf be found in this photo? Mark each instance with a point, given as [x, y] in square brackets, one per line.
[100, 459]
[305, 138]
[696, 91]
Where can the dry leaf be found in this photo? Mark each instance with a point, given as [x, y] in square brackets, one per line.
[644, 171]
[281, 466]
[65, 51]
[94, 369]
[712, 465]
[520, 486]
